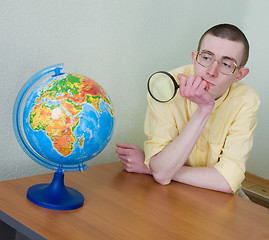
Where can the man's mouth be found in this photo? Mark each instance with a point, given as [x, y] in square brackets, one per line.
[208, 82]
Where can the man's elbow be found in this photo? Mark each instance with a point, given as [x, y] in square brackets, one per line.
[226, 189]
[229, 190]
[159, 174]
[161, 178]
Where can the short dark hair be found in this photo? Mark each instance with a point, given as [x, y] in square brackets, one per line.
[231, 33]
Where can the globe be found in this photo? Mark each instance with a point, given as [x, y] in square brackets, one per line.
[61, 120]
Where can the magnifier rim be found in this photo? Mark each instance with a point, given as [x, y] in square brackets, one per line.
[173, 80]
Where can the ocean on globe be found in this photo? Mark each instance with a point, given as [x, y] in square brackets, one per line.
[67, 120]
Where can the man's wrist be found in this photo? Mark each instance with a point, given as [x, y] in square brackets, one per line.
[205, 110]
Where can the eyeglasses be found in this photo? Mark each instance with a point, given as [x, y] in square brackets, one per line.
[227, 66]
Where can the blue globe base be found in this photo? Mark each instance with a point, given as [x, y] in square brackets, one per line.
[55, 195]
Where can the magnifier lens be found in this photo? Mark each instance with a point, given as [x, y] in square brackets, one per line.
[161, 86]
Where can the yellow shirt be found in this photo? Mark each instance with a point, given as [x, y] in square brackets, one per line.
[227, 138]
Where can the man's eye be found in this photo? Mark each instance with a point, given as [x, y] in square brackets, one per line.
[207, 57]
[227, 64]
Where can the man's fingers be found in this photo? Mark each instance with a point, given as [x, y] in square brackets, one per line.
[204, 85]
[126, 145]
[123, 158]
[122, 151]
[125, 151]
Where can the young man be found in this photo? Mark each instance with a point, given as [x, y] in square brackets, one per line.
[204, 135]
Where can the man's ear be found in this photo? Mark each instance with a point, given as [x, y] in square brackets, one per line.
[193, 56]
[242, 72]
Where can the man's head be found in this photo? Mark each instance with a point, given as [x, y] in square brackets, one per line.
[220, 59]
[232, 33]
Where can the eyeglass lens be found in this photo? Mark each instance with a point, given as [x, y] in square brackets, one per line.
[226, 65]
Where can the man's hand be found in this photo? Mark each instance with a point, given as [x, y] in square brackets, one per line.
[132, 158]
[195, 89]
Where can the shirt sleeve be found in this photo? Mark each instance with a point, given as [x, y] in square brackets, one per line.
[238, 143]
[160, 125]
[160, 128]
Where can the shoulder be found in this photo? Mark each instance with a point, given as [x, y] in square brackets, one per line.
[243, 93]
[186, 70]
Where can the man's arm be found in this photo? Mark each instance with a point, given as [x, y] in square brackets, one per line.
[132, 158]
[166, 163]
[204, 177]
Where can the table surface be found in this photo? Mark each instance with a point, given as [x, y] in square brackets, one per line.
[121, 205]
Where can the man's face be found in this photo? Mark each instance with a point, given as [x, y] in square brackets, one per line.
[221, 48]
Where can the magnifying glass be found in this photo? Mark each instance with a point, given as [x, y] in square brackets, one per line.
[162, 86]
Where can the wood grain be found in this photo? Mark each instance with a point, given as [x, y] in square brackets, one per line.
[121, 205]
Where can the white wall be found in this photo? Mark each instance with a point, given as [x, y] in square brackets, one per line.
[118, 44]
[257, 23]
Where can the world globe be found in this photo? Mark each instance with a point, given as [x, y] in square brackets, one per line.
[61, 121]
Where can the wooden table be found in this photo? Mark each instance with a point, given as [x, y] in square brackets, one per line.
[120, 205]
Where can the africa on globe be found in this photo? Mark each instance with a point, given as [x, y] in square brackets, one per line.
[66, 120]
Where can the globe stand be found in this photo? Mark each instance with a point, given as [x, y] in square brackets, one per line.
[55, 195]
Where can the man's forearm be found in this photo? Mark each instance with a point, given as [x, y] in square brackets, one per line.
[166, 163]
[204, 177]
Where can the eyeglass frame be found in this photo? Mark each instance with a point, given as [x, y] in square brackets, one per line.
[199, 52]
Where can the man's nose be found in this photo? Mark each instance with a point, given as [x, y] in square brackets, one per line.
[213, 69]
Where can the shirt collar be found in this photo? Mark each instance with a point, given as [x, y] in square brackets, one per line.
[220, 100]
